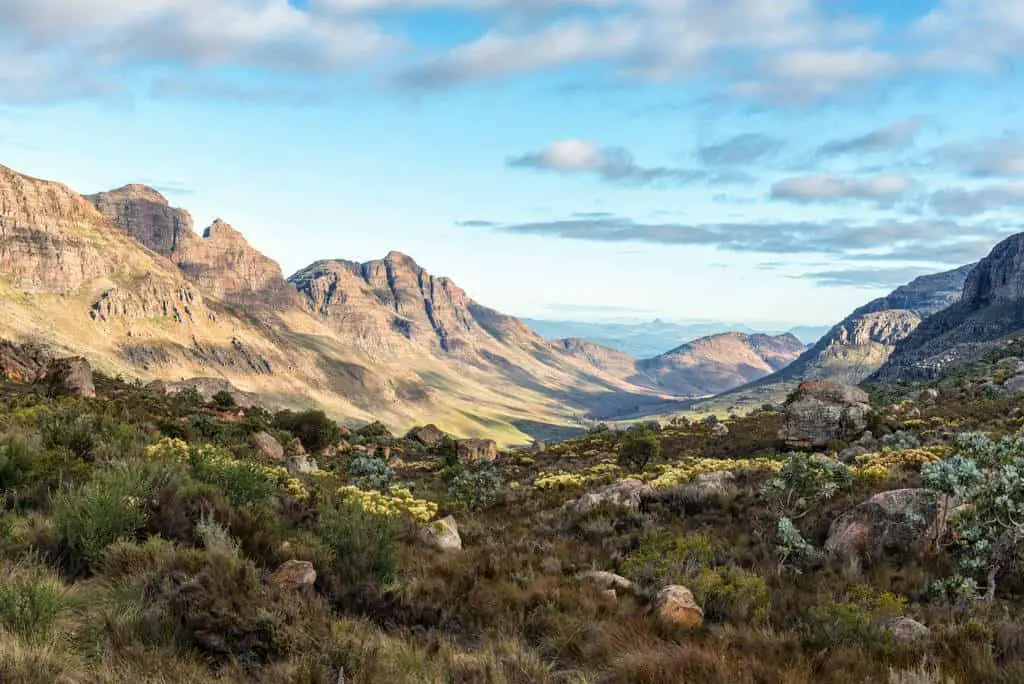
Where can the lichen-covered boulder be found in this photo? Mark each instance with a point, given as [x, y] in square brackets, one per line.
[820, 412]
[906, 630]
[442, 535]
[675, 604]
[890, 522]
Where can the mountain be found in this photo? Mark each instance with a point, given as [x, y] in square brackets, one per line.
[718, 363]
[122, 279]
[990, 308]
[644, 340]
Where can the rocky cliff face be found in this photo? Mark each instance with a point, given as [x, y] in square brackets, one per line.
[718, 363]
[221, 262]
[863, 341]
[991, 307]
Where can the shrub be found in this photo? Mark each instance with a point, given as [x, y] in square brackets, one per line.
[32, 599]
[313, 428]
[901, 441]
[665, 558]
[363, 545]
[732, 594]
[245, 483]
[111, 507]
[369, 472]
[216, 539]
[375, 431]
[224, 400]
[17, 458]
[477, 486]
[804, 481]
[638, 447]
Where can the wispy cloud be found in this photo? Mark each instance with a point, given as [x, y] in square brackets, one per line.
[919, 241]
[867, 278]
[883, 190]
[985, 158]
[969, 202]
[741, 149]
[610, 164]
[897, 136]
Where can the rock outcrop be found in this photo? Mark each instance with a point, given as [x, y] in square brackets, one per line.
[147, 216]
[675, 604]
[427, 435]
[625, 493]
[472, 450]
[890, 522]
[293, 574]
[707, 487]
[266, 444]
[70, 377]
[820, 412]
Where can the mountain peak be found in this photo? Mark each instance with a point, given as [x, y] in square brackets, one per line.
[222, 230]
[137, 191]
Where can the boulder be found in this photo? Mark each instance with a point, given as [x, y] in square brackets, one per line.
[850, 454]
[302, 463]
[675, 604]
[928, 396]
[905, 630]
[1014, 385]
[890, 522]
[820, 412]
[626, 493]
[293, 574]
[268, 446]
[26, 364]
[442, 535]
[719, 430]
[70, 377]
[472, 450]
[538, 446]
[427, 435]
[607, 580]
[709, 486]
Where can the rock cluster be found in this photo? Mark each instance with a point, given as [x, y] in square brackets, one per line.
[472, 450]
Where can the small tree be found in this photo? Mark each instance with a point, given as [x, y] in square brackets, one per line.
[639, 447]
[803, 482]
[224, 400]
[988, 476]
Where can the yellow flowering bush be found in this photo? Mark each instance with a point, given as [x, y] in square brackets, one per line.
[879, 465]
[665, 477]
[168, 449]
[398, 502]
[564, 480]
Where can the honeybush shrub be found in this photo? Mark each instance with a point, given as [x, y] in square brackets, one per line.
[32, 599]
[666, 558]
[476, 486]
[112, 506]
[363, 546]
[639, 447]
[313, 428]
[732, 594]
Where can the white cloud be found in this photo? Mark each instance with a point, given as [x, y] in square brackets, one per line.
[971, 34]
[968, 202]
[611, 164]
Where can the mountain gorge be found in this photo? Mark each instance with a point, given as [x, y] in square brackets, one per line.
[122, 278]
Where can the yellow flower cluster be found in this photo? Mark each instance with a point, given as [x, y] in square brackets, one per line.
[398, 502]
[168, 449]
[222, 458]
[879, 465]
[664, 477]
[563, 480]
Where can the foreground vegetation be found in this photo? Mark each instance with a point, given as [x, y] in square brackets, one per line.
[141, 535]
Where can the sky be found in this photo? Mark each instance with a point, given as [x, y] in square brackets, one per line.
[774, 162]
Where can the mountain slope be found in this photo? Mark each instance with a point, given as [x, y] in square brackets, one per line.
[991, 307]
[718, 363]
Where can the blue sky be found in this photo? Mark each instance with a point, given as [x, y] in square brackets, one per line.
[765, 161]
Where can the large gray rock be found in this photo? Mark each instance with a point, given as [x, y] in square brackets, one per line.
[427, 435]
[1014, 385]
[709, 486]
[820, 412]
[906, 630]
[268, 446]
[890, 522]
[70, 377]
[625, 493]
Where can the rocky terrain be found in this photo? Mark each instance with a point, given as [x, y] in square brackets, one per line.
[122, 279]
[990, 308]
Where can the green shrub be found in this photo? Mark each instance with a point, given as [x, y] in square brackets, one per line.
[71, 430]
[32, 599]
[364, 546]
[666, 558]
[224, 400]
[375, 431]
[111, 507]
[476, 486]
[17, 459]
[732, 594]
[639, 447]
[901, 441]
[245, 483]
[803, 482]
[370, 472]
[313, 428]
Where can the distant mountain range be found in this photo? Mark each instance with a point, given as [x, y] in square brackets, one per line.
[649, 339]
[122, 278]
